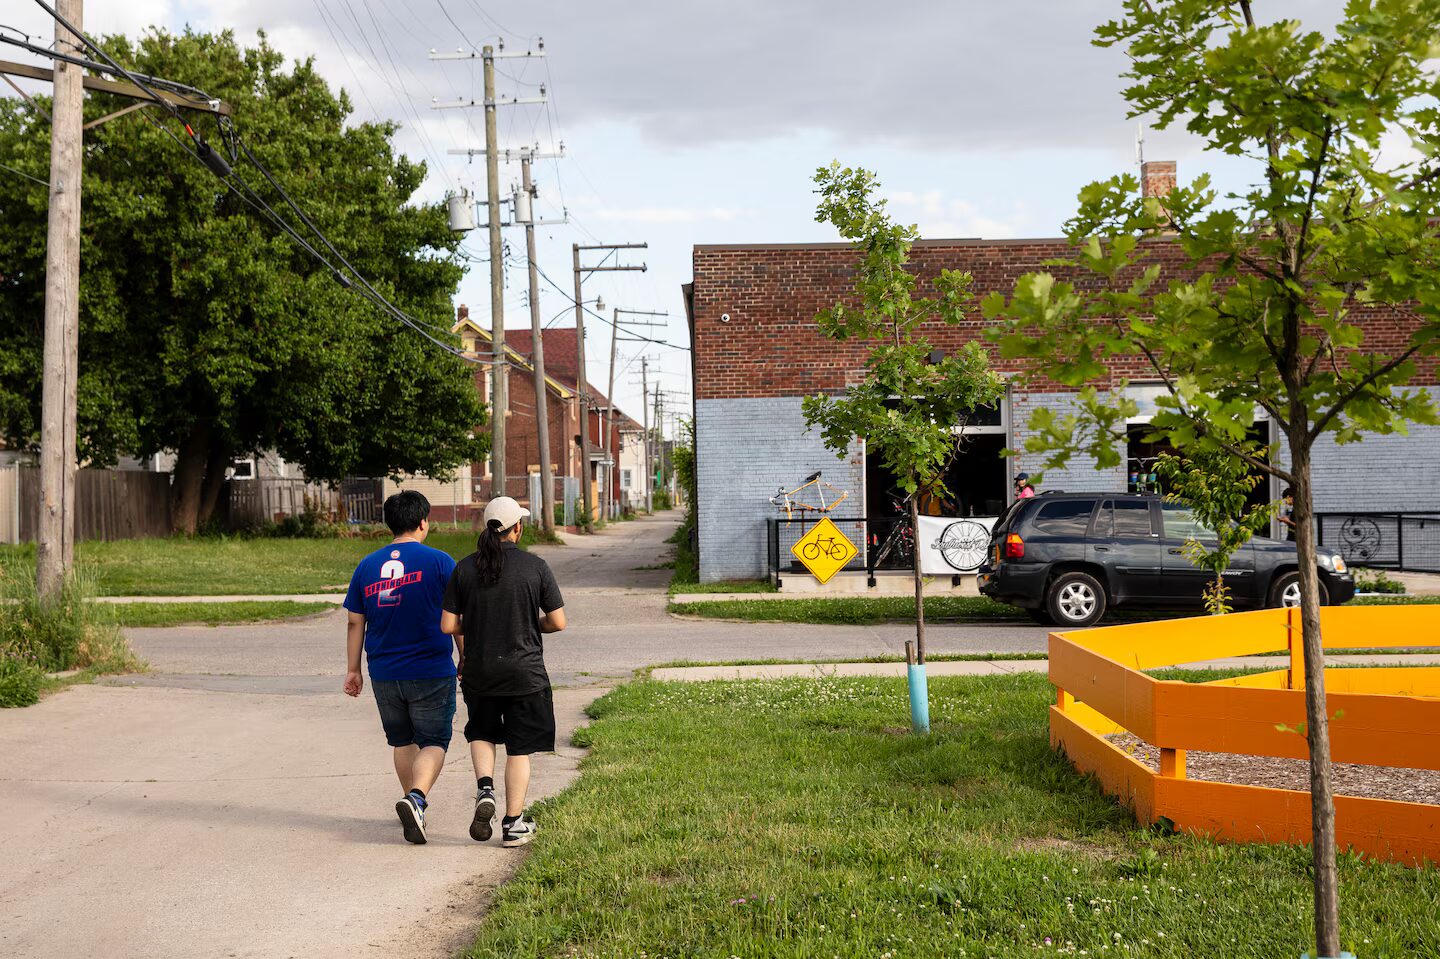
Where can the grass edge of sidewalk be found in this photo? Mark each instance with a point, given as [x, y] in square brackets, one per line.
[982, 838]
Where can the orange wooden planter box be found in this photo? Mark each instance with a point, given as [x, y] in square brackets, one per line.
[1382, 717]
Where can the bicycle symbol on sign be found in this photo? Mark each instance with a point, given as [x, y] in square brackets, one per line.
[824, 546]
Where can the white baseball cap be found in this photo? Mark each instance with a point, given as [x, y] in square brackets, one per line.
[505, 511]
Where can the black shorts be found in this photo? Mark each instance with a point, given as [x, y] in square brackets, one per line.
[525, 724]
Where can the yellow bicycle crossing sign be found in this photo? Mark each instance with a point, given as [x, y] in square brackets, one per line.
[824, 550]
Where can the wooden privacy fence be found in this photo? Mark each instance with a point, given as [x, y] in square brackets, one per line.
[109, 504]
[256, 502]
[1384, 717]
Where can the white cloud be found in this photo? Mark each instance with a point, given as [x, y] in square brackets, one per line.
[940, 217]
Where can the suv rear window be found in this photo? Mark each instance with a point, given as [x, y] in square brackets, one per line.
[1065, 517]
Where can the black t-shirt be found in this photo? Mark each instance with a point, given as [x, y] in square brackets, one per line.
[503, 652]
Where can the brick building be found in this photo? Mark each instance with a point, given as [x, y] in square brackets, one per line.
[758, 352]
[522, 446]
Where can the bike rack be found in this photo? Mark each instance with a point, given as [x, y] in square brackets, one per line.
[777, 548]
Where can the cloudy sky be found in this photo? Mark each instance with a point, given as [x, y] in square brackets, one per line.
[690, 122]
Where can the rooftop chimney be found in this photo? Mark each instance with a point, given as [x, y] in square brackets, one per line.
[463, 314]
[1157, 177]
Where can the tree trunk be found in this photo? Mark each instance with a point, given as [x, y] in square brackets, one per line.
[1322, 800]
[216, 465]
[188, 479]
[919, 582]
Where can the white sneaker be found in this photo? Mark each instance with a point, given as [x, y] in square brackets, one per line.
[519, 832]
[480, 827]
[412, 818]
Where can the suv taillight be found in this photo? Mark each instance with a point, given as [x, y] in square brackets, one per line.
[1014, 546]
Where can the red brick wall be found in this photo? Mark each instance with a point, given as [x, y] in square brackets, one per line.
[771, 345]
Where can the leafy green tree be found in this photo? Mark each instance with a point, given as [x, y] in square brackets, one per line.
[207, 332]
[910, 408]
[1283, 286]
[1216, 486]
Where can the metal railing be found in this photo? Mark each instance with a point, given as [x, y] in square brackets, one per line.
[869, 534]
[1406, 541]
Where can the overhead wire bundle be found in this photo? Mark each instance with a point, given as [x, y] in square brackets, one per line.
[224, 170]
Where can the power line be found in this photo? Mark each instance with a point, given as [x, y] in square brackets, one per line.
[44, 183]
[601, 317]
[458, 29]
[268, 213]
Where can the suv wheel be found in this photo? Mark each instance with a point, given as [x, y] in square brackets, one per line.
[1285, 591]
[1075, 599]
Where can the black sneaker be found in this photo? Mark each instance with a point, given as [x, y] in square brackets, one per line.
[519, 832]
[412, 818]
[480, 827]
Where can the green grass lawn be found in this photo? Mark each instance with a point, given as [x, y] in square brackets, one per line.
[726, 586]
[233, 565]
[801, 819]
[852, 610]
[209, 614]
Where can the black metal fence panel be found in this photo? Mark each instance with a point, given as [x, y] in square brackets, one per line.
[1400, 541]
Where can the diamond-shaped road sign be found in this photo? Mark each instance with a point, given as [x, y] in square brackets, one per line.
[824, 550]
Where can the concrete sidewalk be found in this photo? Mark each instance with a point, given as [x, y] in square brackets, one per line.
[233, 802]
[989, 667]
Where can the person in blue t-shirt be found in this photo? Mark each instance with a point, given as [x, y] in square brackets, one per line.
[394, 606]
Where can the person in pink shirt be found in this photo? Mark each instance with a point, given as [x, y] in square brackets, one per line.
[1023, 489]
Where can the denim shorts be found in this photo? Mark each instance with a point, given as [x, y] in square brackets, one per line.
[416, 711]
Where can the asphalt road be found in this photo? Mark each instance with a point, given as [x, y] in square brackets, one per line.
[232, 802]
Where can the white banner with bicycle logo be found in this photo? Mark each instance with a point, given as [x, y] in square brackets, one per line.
[952, 544]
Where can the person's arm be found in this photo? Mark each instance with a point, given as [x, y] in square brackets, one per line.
[553, 621]
[454, 624]
[354, 642]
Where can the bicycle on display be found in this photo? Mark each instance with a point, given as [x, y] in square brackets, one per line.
[824, 546]
[901, 541]
[797, 500]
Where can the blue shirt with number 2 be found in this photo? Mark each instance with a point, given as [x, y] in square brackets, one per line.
[398, 589]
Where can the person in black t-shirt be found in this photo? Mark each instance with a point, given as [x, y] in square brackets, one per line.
[498, 602]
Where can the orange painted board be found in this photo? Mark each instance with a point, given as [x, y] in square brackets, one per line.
[1362, 627]
[1123, 695]
[1364, 728]
[1092, 719]
[1421, 681]
[1199, 638]
[1127, 779]
[1395, 831]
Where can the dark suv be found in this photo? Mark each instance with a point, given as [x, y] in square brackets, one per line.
[1067, 557]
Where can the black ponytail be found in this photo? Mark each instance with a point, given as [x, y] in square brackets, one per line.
[490, 554]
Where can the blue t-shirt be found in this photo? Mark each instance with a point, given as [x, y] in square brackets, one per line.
[398, 589]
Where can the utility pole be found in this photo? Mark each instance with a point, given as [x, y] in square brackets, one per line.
[610, 392]
[659, 438]
[583, 384]
[645, 426]
[499, 403]
[56, 539]
[537, 340]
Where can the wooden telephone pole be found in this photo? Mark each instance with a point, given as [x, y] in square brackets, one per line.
[56, 541]
[583, 384]
[499, 394]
